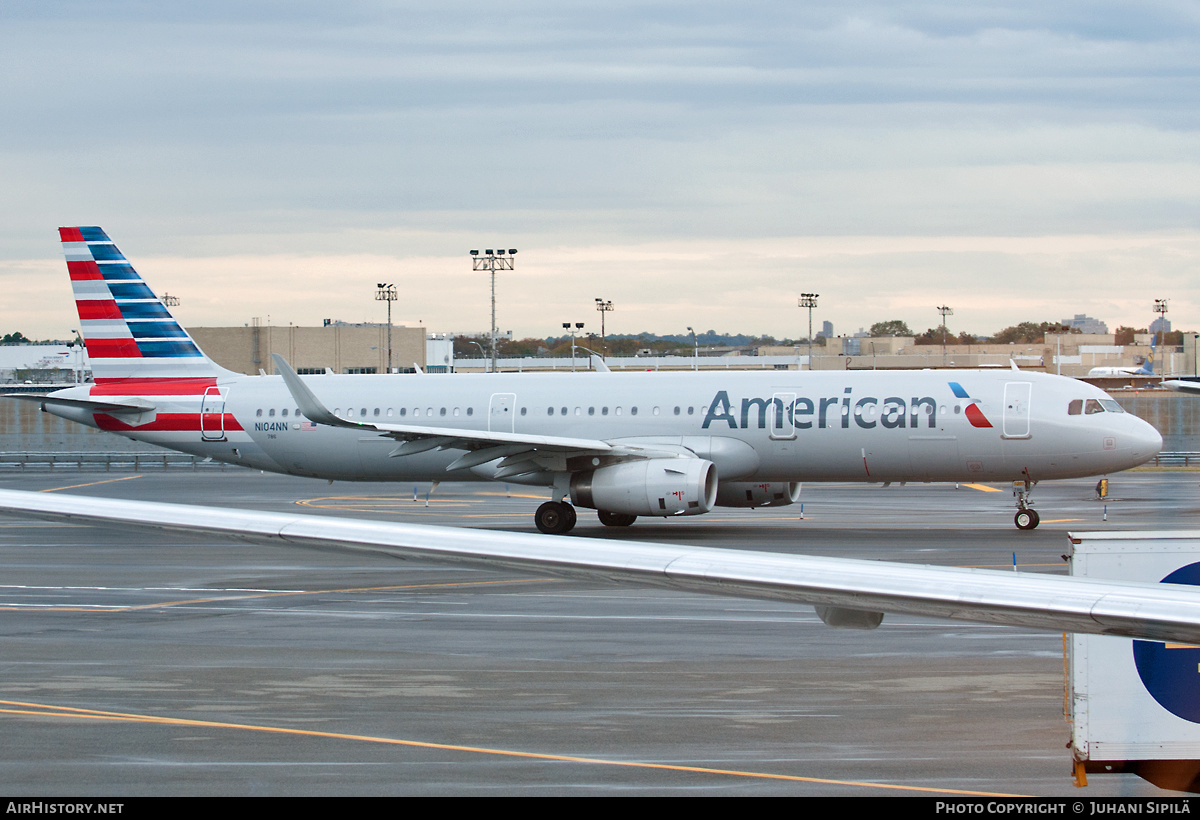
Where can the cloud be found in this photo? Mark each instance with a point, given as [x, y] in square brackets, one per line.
[246, 134]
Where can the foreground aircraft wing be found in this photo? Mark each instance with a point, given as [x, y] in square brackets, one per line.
[419, 438]
[841, 588]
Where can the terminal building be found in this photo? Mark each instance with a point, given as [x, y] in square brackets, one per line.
[336, 346]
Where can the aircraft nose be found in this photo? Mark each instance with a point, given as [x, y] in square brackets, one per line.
[1147, 441]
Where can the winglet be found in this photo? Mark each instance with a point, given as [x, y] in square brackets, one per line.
[599, 365]
[309, 404]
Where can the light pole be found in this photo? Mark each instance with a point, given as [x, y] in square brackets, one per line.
[695, 350]
[945, 311]
[572, 330]
[809, 300]
[493, 261]
[76, 349]
[1160, 307]
[604, 307]
[387, 293]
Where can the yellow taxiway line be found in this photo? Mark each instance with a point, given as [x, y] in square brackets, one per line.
[51, 710]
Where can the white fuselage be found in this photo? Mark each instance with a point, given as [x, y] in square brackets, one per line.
[754, 426]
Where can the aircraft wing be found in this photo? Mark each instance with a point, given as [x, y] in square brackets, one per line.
[1182, 385]
[839, 587]
[515, 448]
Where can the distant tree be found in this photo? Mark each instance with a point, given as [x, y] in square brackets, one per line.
[933, 336]
[893, 327]
[17, 338]
[519, 347]
[1124, 335]
[1023, 333]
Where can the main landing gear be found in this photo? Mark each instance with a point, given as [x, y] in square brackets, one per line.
[559, 517]
[1026, 517]
[612, 519]
[555, 518]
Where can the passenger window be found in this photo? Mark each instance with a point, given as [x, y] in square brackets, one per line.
[604, 411]
[677, 411]
[403, 411]
[633, 411]
[258, 412]
[563, 411]
[1075, 408]
[271, 412]
[442, 412]
[591, 411]
[549, 411]
[471, 411]
[283, 412]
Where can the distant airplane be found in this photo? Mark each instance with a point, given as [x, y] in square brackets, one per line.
[1146, 369]
[650, 444]
[1183, 385]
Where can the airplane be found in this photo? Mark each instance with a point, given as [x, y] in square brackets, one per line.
[1146, 369]
[626, 445]
[1189, 385]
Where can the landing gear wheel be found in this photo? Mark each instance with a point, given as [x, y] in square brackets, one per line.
[555, 518]
[1027, 519]
[612, 519]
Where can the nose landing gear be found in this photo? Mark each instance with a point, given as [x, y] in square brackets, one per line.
[1026, 517]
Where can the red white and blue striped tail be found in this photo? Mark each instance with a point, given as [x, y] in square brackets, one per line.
[129, 333]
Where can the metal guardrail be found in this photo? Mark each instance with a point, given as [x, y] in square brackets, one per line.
[1177, 459]
[107, 461]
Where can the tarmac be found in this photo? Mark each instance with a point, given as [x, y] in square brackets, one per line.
[144, 663]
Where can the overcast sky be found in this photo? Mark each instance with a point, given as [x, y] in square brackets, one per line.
[696, 163]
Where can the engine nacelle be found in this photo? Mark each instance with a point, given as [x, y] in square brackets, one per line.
[761, 494]
[657, 486]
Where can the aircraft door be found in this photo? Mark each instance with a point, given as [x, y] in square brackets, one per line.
[502, 413]
[1016, 409]
[212, 415]
[780, 419]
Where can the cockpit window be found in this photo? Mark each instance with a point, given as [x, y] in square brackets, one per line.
[1092, 406]
[1111, 406]
[1075, 407]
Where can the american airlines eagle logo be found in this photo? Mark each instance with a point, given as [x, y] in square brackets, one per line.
[974, 414]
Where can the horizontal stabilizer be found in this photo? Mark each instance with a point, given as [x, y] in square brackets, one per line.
[132, 405]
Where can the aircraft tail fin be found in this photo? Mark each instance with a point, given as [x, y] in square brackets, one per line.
[128, 331]
[1147, 368]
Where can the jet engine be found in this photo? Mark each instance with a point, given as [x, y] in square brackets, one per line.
[760, 494]
[656, 486]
